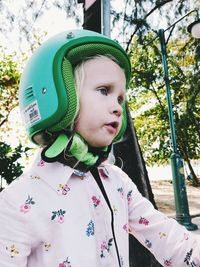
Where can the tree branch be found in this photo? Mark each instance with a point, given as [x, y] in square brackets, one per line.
[3, 121]
[158, 5]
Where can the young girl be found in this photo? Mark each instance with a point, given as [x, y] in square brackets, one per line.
[72, 208]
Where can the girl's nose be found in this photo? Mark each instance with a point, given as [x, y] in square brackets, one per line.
[117, 109]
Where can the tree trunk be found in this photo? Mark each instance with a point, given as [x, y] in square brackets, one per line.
[194, 177]
[184, 154]
[186, 158]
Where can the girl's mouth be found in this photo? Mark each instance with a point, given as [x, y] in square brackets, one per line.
[112, 127]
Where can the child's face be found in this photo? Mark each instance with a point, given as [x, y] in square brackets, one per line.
[101, 96]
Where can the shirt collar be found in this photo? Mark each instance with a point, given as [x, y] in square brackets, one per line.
[56, 174]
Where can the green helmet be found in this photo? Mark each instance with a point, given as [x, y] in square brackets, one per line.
[47, 93]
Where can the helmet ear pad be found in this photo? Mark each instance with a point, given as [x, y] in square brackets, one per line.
[68, 102]
[72, 97]
[70, 61]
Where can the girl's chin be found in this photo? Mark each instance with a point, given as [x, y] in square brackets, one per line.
[99, 144]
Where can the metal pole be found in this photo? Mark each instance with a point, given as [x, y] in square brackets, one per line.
[105, 17]
[180, 195]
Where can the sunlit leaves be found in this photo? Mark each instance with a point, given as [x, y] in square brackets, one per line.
[148, 102]
[9, 81]
[10, 167]
[10, 156]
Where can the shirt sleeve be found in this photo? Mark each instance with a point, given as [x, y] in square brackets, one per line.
[14, 234]
[170, 242]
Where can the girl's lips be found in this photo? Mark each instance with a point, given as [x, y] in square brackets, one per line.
[112, 127]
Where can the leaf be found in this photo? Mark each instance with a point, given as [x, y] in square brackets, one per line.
[53, 216]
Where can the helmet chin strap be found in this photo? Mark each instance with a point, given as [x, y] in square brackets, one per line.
[72, 150]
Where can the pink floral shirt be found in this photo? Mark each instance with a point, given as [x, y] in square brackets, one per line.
[50, 217]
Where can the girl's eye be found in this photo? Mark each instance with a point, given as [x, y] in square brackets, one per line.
[103, 90]
[120, 100]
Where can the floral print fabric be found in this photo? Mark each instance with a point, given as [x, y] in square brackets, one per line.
[51, 217]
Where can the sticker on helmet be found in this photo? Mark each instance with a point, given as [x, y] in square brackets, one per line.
[31, 114]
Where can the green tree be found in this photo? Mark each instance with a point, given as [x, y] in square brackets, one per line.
[9, 81]
[128, 17]
[10, 167]
[147, 96]
[27, 29]
[143, 16]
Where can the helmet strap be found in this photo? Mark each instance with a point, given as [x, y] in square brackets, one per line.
[72, 150]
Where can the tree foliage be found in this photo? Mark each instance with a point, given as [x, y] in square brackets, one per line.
[148, 98]
[10, 166]
[143, 16]
[27, 27]
[9, 81]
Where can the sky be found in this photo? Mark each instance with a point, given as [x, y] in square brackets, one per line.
[52, 21]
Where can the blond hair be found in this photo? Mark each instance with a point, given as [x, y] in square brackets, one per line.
[79, 70]
[79, 75]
